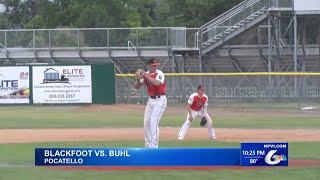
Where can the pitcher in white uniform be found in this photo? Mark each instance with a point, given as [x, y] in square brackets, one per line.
[155, 83]
[197, 107]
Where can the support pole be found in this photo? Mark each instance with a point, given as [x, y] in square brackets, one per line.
[269, 44]
[269, 56]
[199, 39]
[295, 57]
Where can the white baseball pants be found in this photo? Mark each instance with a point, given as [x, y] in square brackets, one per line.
[186, 125]
[152, 115]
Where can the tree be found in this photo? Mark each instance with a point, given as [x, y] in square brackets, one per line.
[110, 13]
[17, 13]
[189, 13]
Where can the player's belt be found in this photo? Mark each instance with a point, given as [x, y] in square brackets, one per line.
[157, 96]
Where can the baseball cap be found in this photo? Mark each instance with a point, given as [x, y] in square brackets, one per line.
[153, 62]
[200, 87]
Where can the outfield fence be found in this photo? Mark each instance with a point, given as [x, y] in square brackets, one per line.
[241, 87]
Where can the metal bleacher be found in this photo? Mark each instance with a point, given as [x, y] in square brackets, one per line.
[231, 23]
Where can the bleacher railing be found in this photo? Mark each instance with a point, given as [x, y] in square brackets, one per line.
[230, 18]
[238, 16]
[118, 38]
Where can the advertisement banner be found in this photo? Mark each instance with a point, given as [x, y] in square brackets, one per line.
[62, 84]
[14, 85]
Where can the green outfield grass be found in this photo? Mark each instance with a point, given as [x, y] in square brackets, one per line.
[73, 117]
[47, 174]
[23, 154]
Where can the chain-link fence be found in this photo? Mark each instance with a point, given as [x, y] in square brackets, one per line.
[237, 88]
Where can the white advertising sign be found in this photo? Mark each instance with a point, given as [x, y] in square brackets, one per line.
[307, 6]
[14, 85]
[62, 84]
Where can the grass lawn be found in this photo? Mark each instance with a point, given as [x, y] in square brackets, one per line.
[24, 154]
[72, 117]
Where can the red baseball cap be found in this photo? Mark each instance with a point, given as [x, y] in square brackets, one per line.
[153, 62]
[200, 87]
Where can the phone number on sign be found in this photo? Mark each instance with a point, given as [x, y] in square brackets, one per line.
[62, 95]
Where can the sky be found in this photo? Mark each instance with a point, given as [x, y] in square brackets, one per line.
[2, 8]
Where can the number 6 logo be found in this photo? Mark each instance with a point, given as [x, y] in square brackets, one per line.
[270, 155]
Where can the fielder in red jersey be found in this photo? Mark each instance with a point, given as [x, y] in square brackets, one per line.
[197, 106]
[154, 81]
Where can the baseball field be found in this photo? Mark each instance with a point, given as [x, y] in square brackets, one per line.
[22, 128]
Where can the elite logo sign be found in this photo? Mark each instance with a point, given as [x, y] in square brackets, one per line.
[62, 84]
[51, 75]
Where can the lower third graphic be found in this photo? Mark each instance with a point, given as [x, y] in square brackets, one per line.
[264, 154]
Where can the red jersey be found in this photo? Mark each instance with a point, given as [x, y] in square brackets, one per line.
[197, 102]
[153, 90]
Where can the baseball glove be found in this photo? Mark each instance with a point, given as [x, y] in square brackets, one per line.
[203, 121]
[138, 75]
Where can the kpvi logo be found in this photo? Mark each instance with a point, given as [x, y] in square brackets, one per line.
[272, 159]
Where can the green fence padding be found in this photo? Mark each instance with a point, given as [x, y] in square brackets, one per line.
[103, 84]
